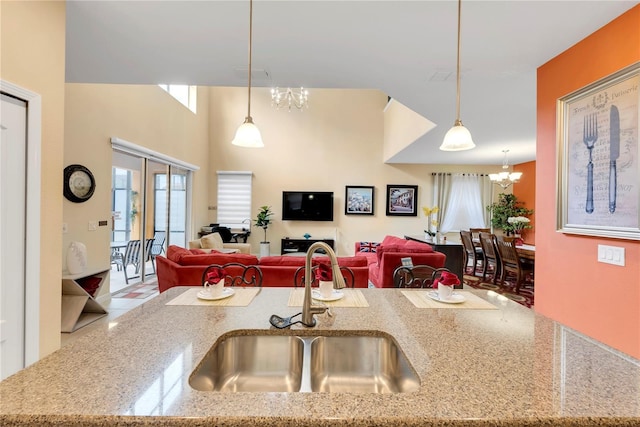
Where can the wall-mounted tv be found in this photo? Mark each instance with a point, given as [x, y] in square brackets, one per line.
[307, 205]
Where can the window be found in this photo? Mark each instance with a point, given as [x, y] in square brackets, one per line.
[186, 95]
[462, 199]
[234, 199]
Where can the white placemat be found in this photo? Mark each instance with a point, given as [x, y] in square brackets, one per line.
[241, 298]
[420, 299]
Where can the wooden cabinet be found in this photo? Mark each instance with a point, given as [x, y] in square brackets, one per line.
[289, 246]
[79, 307]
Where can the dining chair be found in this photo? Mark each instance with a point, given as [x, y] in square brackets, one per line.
[131, 256]
[238, 275]
[418, 276]
[475, 235]
[510, 262]
[347, 273]
[491, 257]
[471, 252]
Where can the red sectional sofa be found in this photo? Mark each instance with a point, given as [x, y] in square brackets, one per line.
[184, 267]
[384, 257]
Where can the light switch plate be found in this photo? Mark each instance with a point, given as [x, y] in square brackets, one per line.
[611, 255]
[93, 225]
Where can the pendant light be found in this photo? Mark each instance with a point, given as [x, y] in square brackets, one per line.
[458, 138]
[248, 134]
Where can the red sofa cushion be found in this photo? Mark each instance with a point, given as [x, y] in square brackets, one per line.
[184, 256]
[344, 261]
[218, 258]
[175, 253]
[282, 260]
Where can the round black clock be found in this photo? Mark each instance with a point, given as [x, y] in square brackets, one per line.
[78, 183]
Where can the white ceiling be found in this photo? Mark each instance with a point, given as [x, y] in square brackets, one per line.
[403, 48]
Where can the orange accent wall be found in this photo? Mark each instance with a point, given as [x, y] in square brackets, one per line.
[525, 191]
[599, 300]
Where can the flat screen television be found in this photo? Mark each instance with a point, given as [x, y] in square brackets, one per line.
[307, 205]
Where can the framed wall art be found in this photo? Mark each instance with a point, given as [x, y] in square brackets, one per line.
[402, 200]
[359, 200]
[598, 178]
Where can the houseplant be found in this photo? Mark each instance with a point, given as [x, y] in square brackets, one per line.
[263, 220]
[506, 207]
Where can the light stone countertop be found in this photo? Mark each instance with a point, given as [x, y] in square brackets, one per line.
[477, 368]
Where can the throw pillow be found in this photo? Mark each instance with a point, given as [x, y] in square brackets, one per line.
[211, 241]
[369, 246]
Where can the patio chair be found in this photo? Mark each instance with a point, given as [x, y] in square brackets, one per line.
[131, 256]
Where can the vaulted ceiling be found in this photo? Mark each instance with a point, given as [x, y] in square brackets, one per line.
[407, 49]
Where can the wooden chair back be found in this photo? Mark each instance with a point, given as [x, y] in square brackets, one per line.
[510, 261]
[347, 273]
[491, 257]
[238, 275]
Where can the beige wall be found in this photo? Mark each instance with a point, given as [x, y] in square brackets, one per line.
[32, 46]
[338, 141]
[142, 114]
[402, 126]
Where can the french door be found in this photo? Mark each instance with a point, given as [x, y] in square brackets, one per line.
[150, 205]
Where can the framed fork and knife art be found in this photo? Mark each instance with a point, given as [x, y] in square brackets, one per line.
[598, 157]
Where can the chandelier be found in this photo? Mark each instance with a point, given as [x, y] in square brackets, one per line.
[504, 179]
[458, 138]
[288, 97]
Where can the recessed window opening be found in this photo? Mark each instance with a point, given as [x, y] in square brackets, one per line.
[185, 94]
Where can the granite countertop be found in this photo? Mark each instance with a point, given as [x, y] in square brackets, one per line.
[500, 367]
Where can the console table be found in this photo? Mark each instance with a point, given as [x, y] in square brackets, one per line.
[301, 245]
[453, 251]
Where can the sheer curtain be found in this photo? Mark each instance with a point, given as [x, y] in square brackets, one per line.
[462, 199]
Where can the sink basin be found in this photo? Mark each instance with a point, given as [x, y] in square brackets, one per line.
[258, 363]
[360, 364]
[310, 363]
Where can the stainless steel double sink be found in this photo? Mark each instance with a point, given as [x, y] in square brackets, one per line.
[253, 361]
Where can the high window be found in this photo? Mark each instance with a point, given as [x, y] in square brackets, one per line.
[186, 95]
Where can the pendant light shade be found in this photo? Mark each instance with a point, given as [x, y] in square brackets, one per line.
[458, 138]
[248, 134]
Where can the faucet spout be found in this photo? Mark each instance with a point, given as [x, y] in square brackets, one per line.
[308, 308]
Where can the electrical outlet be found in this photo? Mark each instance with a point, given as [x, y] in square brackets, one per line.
[611, 255]
[93, 225]
[65, 227]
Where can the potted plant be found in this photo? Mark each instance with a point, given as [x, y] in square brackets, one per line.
[507, 207]
[263, 220]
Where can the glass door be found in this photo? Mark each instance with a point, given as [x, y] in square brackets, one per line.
[127, 206]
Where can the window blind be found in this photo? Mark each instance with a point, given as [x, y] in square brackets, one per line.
[234, 199]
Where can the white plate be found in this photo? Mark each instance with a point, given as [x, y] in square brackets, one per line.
[335, 296]
[455, 298]
[226, 293]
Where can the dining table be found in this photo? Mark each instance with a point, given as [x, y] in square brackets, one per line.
[526, 251]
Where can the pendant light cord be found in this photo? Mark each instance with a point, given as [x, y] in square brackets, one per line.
[458, 121]
[250, 46]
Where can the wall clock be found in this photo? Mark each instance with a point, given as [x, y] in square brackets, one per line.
[79, 183]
